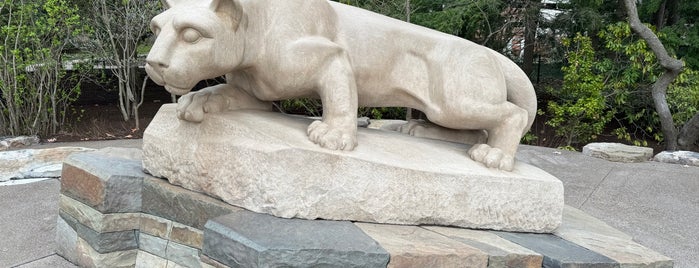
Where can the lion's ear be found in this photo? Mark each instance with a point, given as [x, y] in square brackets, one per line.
[230, 7]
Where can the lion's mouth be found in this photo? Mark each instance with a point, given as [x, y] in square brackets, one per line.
[177, 90]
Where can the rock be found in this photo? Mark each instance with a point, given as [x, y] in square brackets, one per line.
[617, 152]
[265, 163]
[678, 157]
[391, 125]
[105, 183]
[363, 121]
[16, 142]
[247, 239]
[501, 253]
[593, 234]
[412, 246]
[35, 163]
[558, 252]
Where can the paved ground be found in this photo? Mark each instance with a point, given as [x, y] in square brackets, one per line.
[656, 203]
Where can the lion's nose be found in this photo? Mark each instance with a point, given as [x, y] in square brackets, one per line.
[156, 63]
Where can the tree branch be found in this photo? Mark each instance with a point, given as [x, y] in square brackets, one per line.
[672, 67]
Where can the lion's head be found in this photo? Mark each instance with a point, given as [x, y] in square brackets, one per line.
[195, 40]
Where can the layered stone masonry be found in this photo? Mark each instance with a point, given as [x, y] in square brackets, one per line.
[113, 215]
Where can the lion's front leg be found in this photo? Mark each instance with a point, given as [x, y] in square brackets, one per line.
[337, 89]
[338, 93]
[192, 106]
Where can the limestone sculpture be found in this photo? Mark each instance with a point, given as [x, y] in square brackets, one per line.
[345, 56]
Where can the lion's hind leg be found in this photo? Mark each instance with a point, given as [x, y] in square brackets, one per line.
[426, 129]
[503, 122]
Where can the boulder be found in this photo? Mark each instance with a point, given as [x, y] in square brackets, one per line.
[617, 152]
[678, 157]
[35, 163]
[15, 142]
[265, 163]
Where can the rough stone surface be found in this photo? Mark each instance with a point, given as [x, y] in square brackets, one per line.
[595, 235]
[679, 157]
[247, 239]
[35, 163]
[412, 246]
[617, 152]
[153, 245]
[105, 183]
[183, 255]
[103, 242]
[66, 240]
[558, 252]
[155, 226]
[89, 257]
[165, 200]
[187, 236]
[260, 161]
[17, 142]
[101, 223]
[501, 252]
[147, 260]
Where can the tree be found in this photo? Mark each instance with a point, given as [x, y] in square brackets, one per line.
[119, 28]
[689, 133]
[35, 88]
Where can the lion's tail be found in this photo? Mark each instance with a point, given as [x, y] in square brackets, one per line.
[520, 90]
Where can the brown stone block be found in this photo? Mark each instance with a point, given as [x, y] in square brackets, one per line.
[106, 183]
[412, 246]
[81, 185]
[187, 235]
[155, 226]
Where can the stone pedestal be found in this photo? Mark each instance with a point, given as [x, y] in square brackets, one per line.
[113, 215]
[265, 163]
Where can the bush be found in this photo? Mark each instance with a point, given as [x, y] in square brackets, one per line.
[35, 89]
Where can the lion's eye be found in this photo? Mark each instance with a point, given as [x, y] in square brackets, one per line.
[191, 35]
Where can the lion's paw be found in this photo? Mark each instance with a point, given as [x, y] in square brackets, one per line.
[413, 127]
[192, 106]
[491, 157]
[331, 138]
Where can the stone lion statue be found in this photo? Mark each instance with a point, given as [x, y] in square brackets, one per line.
[347, 57]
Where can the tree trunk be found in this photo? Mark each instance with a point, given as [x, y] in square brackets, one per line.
[531, 25]
[672, 67]
[689, 136]
[660, 16]
[673, 12]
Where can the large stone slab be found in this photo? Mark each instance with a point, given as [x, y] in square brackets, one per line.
[617, 152]
[501, 252]
[559, 253]
[593, 234]
[264, 162]
[35, 163]
[247, 239]
[412, 246]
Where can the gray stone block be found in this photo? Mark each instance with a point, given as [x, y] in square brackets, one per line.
[247, 239]
[183, 255]
[558, 252]
[153, 245]
[66, 240]
[106, 183]
[103, 242]
[162, 199]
